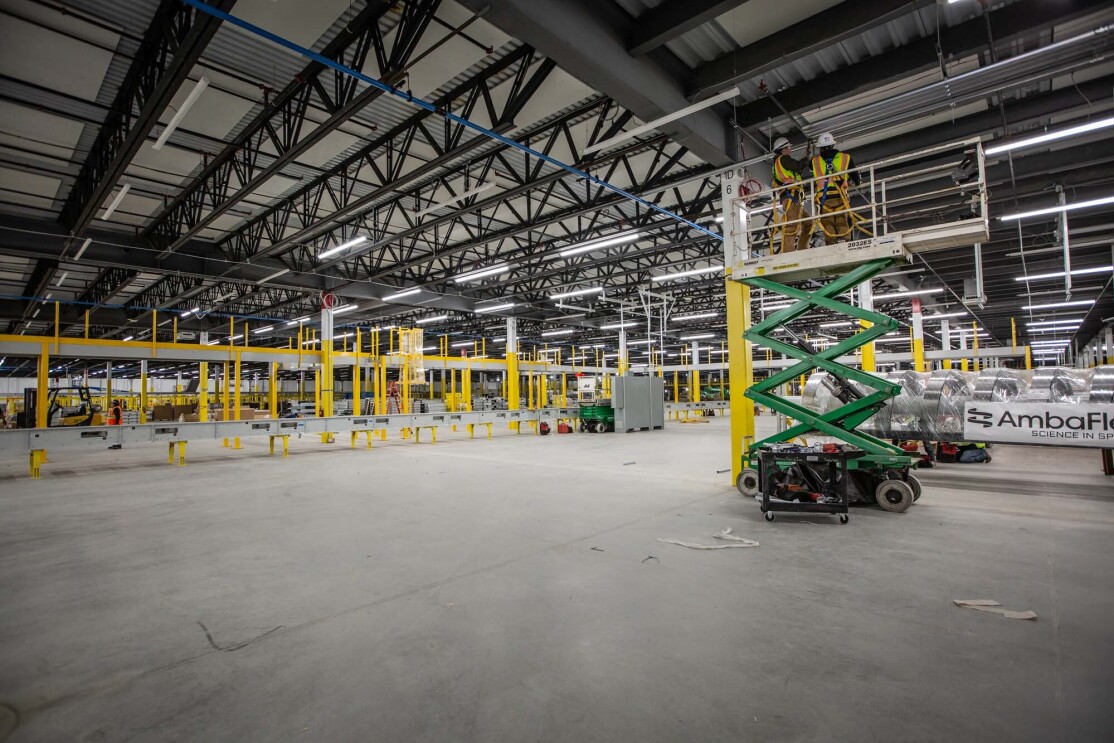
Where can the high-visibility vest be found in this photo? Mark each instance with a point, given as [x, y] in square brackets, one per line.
[115, 416]
[822, 167]
[783, 176]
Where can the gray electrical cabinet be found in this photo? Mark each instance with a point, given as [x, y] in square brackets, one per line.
[639, 403]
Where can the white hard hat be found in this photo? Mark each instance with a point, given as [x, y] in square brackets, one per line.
[780, 142]
[826, 140]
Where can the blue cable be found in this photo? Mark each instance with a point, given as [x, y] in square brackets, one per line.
[251, 28]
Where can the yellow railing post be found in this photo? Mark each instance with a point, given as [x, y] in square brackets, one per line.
[236, 440]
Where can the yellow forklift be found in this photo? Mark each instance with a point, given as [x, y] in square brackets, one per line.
[66, 406]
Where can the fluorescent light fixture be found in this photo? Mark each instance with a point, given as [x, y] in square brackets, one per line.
[649, 341]
[843, 324]
[401, 294]
[128, 338]
[435, 318]
[698, 336]
[899, 295]
[81, 250]
[683, 274]
[180, 114]
[454, 199]
[551, 333]
[1050, 343]
[719, 218]
[212, 343]
[617, 325]
[500, 340]
[275, 275]
[775, 306]
[48, 296]
[187, 313]
[343, 335]
[944, 315]
[1090, 126]
[311, 341]
[698, 316]
[577, 293]
[1054, 305]
[345, 308]
[463, 345]
[112, 206]
[1058, 329]
[342, 247]
[1059, 208]
[299, 320]
[264, 329]
[657, 123]
[1059, 274]
[483, 273]
[597, 345]
[235, 337]
[58, 283]
[430, 348]
[1055, 322]
[606, 242]
[495, 307]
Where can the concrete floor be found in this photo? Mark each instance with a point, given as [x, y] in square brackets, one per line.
[514, 590]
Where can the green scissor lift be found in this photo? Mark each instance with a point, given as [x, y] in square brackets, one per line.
[886, 465]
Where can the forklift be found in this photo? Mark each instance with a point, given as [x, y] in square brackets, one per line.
[85, 413]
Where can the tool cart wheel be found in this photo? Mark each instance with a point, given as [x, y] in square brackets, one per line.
[844, 518]
[769, 515]
[601, 427]
[894, 495]
[915, 483]
[747, 483]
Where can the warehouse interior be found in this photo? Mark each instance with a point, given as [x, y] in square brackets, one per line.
[454, 370]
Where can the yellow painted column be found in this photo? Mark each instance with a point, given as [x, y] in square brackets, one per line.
[236, 413]
[316, 392]
[272, 390]
[1028, 358]
[203, 392]
[867, 357]
[676, 386]
[529, 390]
[356, 378]
[740, 369]
[1013, 335]
[227, 390]
[565, 389]
[975, 344]
[513, 396]
[42, 387]
[143, 392]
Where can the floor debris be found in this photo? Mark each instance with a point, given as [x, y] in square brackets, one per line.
[993, 607]
[650, 557]
[725, 535]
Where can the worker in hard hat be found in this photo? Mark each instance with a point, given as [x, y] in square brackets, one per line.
[831, 192]
[787, 174]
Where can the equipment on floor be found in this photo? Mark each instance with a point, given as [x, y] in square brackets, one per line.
[563, 427]
[597, 418]
[544, 429]
[65, 406]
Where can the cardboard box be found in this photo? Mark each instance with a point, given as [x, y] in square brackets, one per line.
[162, 413]
[246, 414]
[192, 418]
[180, 410]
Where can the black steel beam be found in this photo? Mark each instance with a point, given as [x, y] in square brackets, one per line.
[960, 40]
[672, 19]
[243, 166]
[174, 41]
[802, 39]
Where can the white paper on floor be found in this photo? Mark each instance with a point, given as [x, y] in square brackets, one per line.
[725, 535]
[993, 607]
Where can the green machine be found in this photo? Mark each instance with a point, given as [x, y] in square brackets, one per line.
[596, 413]
[922, 201]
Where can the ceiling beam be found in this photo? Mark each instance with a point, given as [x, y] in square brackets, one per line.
[828, 27]
[174, 41]
[672, 19]
[920, 55]
[595, 52]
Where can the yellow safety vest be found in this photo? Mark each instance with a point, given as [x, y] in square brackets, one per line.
[783, 176]
[820, 168]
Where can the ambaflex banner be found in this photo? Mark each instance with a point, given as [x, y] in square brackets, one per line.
[1085, 424]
